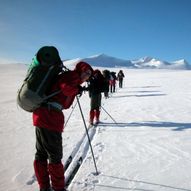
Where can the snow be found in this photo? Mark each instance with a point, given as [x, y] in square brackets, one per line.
[148, 149]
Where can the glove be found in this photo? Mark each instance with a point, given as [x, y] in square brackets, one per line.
[80, 90]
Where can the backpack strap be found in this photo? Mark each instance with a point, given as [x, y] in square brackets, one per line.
[44, 80]
[51, 95]
[53, 105]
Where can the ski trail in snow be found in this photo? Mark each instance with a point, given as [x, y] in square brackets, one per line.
[31, 180]
[82, 152]
[98, 148]
[22, 175]
[16, 177]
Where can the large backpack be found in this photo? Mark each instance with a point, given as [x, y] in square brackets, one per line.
[45, 67]
[106, 74]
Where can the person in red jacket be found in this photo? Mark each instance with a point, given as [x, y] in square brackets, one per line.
[49, 123]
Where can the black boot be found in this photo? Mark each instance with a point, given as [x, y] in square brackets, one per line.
[46, 189]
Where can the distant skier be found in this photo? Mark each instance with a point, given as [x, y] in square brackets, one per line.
[120, 77]
[112, 81]
[49, 123]
[96, 87]
[106, 75]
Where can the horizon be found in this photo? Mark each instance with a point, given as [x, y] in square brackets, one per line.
[125, 29]
[73, 60]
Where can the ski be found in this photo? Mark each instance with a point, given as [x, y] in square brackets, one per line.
[75, 150]
[70, 178]
[80, 156]
[68, 161]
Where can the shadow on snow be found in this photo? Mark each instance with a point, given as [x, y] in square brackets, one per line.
[156, 124]
[144, 183]
[140, 95]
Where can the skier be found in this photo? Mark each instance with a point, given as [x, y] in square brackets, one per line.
[106, 75]
[112, 81]
[96, 86]
[120, 77]
[49, 123]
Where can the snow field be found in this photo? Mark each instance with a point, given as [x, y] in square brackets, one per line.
[148, 149]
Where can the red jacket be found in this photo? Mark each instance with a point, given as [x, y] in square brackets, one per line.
[68, 83]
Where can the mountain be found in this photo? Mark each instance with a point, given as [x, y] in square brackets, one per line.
[108, 61]
[148, 62]
[182, 63]
[103, 60]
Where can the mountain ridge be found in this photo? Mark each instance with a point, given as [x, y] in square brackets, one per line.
[147, 62]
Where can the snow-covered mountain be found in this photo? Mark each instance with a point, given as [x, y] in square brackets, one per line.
[103, 60]
[149, 62]
[108, 61]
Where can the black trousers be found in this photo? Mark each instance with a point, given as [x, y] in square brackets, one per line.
[120, 83]
[48, 145]
[95, 101]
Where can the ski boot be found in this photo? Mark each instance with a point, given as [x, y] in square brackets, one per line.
[46, 189]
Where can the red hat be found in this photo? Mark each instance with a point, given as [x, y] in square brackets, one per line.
[83, 66]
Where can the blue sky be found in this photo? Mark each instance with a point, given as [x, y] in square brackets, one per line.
[127, 29]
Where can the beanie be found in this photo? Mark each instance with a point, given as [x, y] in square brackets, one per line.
[83, 66]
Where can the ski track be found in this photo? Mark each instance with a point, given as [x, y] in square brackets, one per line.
[82, 152]
[31, 180]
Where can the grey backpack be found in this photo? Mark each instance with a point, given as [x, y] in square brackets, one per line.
[44, 69]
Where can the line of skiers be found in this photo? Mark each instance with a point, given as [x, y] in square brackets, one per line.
[111, 80]
[48, 118]
[101, 83]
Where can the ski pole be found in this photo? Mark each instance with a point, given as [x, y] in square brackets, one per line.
[87, 134]
[70, 114]
[109, 115]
